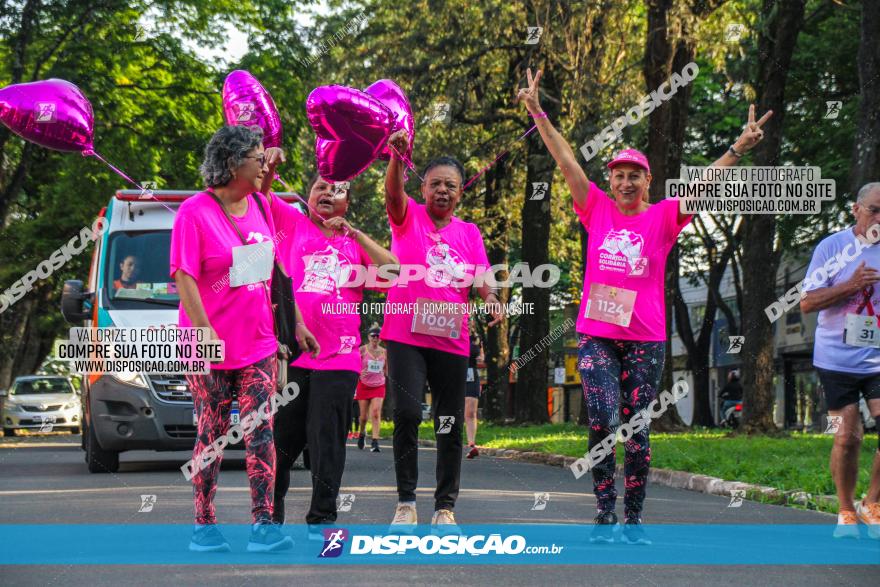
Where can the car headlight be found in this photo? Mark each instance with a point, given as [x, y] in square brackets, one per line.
[135, 379]
[69, 406]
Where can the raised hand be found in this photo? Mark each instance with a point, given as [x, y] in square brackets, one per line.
[752, 133]
[399, 142]
[274, 156]
[530, 95]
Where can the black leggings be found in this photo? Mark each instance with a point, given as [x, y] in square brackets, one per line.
[408, 369]
[319, 416]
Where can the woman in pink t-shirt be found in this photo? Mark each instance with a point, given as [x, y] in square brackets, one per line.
[371, 389]
[328, 261]
[622, 322]
[208, 234]
[440, 256]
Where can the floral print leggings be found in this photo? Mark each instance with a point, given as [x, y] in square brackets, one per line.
[620, 378]
[212, 397]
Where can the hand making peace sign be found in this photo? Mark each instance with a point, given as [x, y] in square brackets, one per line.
[529, 96]
[752, 133]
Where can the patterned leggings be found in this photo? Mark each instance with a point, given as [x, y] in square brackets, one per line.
[212, 396]
[620, 378]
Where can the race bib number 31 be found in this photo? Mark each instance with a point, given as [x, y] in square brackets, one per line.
[861, 331]
[434, 319]
[610, 304]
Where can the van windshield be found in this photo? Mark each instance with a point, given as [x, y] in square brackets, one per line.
[136, 271]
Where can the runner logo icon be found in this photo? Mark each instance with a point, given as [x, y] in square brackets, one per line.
[334, 540]
[446, 423]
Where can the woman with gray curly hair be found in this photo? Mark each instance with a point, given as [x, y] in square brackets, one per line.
[223, 279]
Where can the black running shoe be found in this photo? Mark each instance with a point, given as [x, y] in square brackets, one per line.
[208, 539]
[362, 439]
[605, 525]
[375, 447]
[268, 538]
[633, 533]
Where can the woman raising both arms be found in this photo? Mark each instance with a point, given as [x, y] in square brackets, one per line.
[622, 320]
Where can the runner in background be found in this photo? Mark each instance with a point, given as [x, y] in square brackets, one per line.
[622, 318]
[432, 345]
[371, 388]
[847, 360]
[472, 393]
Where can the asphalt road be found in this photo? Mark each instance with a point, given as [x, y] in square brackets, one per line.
[43, 480]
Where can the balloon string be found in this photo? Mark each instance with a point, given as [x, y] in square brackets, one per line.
[144, 191]
[503, 153]
[408, 163]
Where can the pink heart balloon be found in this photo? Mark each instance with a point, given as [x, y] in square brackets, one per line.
[352, 129]
[390, 94]
[53, 113]
[246, 103]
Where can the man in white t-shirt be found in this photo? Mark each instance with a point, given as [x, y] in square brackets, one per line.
[841, 284]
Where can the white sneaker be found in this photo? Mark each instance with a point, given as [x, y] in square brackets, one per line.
[443, 522]
[869, 514]
[847, 525]
[404, 515]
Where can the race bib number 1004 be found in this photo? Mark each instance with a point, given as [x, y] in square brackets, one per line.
[434, 319]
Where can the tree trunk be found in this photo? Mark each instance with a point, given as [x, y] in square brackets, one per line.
[782, 21]
[531, 387]
[13, 327]
[666, 132]
[497, 350]
[866, 147]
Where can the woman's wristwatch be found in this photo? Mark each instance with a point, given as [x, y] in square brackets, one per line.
[736, 153]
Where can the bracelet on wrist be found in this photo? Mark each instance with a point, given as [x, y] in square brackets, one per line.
[736, 153]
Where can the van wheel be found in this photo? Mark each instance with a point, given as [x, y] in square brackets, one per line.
[98, 459]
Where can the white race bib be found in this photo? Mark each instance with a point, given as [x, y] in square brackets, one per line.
[610, 304]
[374, 365]
[251, 263]
[861, 331]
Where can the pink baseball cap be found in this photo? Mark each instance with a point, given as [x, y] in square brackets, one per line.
[630, 156]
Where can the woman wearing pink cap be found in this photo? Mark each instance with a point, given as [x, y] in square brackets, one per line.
[622, 322]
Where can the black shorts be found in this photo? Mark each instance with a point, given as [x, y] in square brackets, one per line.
[472, 388]
[843, 389]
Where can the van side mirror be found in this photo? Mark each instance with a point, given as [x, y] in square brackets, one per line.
[72, 302]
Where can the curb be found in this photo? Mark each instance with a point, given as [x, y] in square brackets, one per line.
[674, 479]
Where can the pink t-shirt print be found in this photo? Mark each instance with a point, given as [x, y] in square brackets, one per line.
[320, 267]
[628, 252]
[448, 255]
[201, 245]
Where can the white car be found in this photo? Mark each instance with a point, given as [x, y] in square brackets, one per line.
[40, 402]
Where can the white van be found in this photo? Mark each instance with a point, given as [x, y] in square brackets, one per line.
[136, 411]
